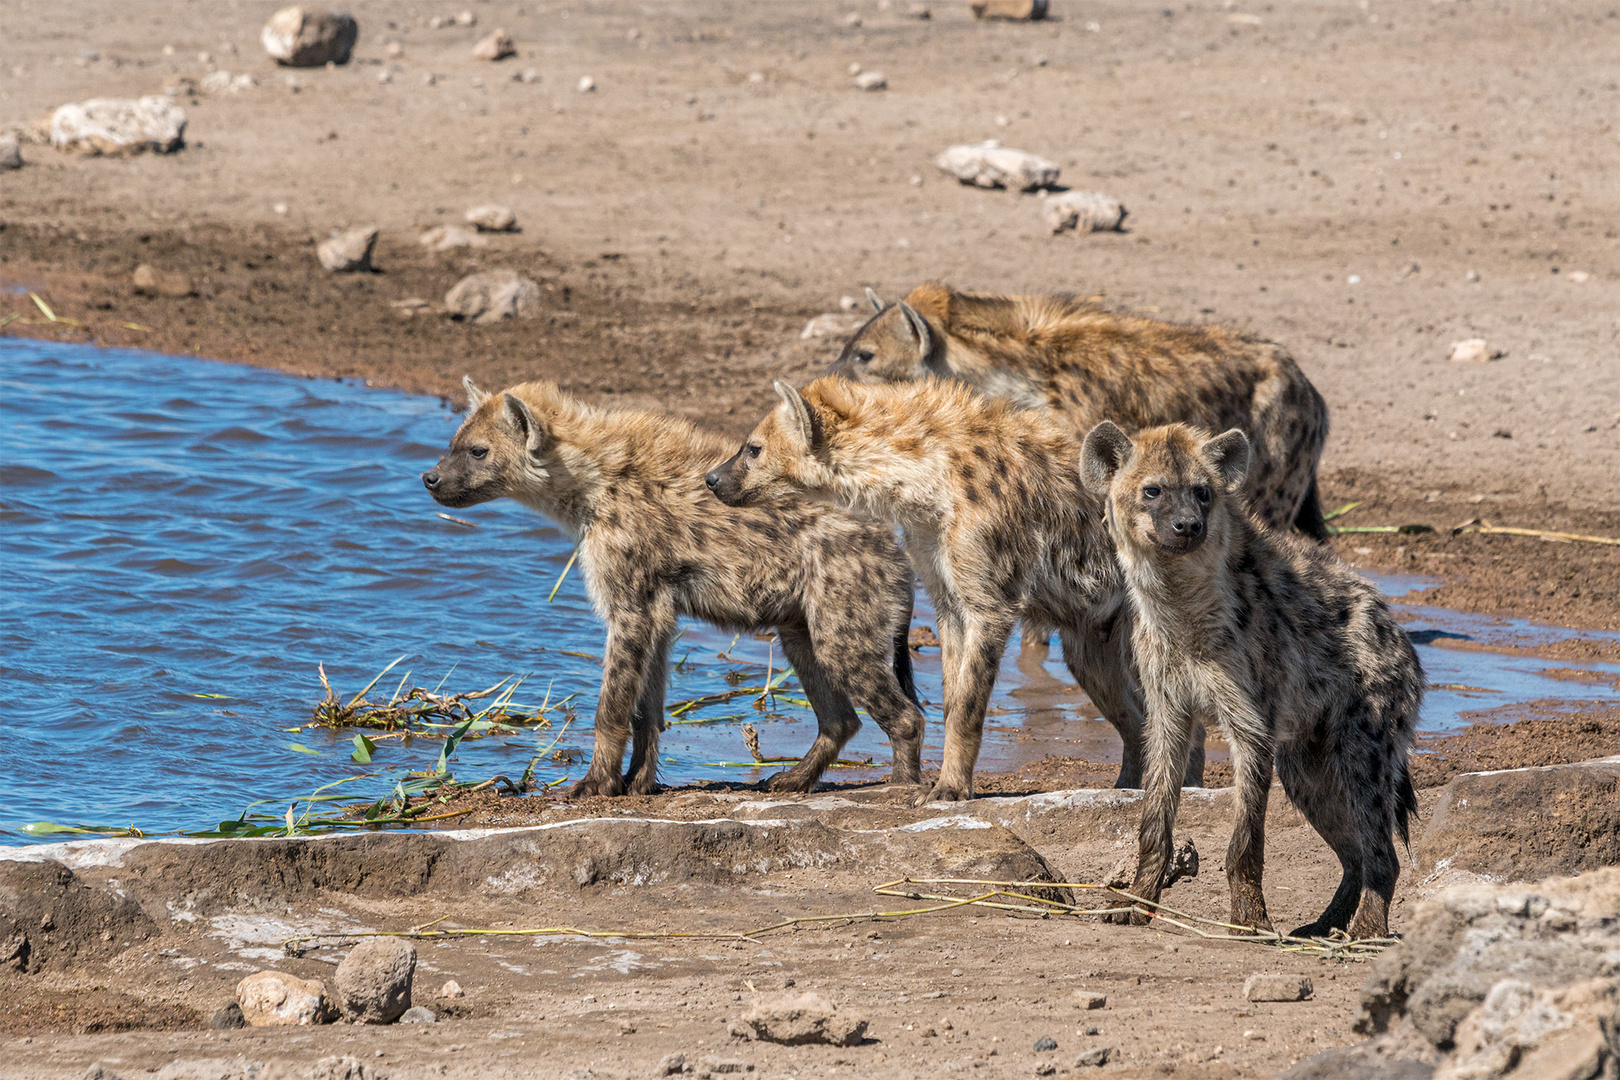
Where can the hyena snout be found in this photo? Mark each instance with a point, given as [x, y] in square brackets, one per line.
[430, 479]
[725, 483]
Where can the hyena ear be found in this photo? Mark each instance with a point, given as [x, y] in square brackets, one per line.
[919, 330]
[475, 396]
[873, 299]
[1228, 454]
[803, 427]
[529, 427]
[1105, 451]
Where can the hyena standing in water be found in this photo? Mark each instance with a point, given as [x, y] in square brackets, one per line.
[1089, 365]
[996, 522]
[654, 546]
[1295, 656]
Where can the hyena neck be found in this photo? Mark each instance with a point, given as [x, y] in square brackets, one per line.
[569, 486]
[995, 379]
[866, 477]
[1177, 598]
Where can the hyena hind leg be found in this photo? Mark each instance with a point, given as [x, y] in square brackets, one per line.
[642, 776]
[836, 722]
[1353, 819]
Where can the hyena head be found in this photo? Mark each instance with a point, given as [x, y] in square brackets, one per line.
[896, 345]
[1167, 487]
[492, 454]
[778, 458]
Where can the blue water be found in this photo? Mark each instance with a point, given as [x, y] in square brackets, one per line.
[171, 527]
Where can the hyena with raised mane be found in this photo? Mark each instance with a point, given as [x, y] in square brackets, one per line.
[1295, 655]
[997, 524]
[654, 546]
[1089, 364]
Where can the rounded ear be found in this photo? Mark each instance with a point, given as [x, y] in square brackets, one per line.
[1228, 454]
[529, 428]
[803, 426]
[872, 298]
[919, 330]
[475, 396]
[1104, 453]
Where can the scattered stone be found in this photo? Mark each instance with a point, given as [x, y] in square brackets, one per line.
[714, 1066]
[671, 1065]
[1084, 211]
[466, 18]
[1097, 1056]
[498, 45]
[302, 37]
[451, 988]
[119, 126]
[871, 80]
[228, 1018]
[799, 1020]
[1473, 350]
[1090, 999]
[445, 237]
[101, 1071]
[527, 75]
[493, 218]
[1044, 1044]
[832, 324]
[1022, 10]
[10, 152]
[1472, 276]
[1265, 986]
[1183, 864]
[1045, 1068]
[418, 1014]
[1093, 1029]
[991, 165]
[586, 85]
[342, 1068]
[223, 82]
[150, 281]
[385, 76]
[1580, 277]
[374, 981]
[238, 1068]
[853, 20]
[276, 999]
[493, 295]
[1239, 18]
[348, 251]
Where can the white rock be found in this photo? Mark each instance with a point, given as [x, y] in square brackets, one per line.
[1472, 350]
[348, 250]
[1083, 211]
[492, 217]
[498, 45]
[527, 75]
[493, 295]
[451, 989]
[871, 80]
[832, 324]
[991, 165]
[304, 37]
[10, 152]
[1579, 277]
[1243, 19]
[466, 18]
[586, 85]
[276, 999]
[223, 82]
[445, 237]
[119, 125]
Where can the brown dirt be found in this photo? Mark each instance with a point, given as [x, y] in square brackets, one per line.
[684, 222]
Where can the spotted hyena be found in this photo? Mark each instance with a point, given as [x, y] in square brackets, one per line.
[1089, 365]
[655, 546]
[996, 520]
[1295, 656]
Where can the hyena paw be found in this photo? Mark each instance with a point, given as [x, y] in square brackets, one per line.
[597, 785]
[943, 792]
[643, 785]
[789, 782]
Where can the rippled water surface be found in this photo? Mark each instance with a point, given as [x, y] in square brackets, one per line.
[174, 528]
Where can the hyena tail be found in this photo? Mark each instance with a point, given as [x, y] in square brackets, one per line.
[1405, 804]
[902, 653]
[1309, 519]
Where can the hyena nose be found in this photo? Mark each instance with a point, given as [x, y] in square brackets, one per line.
[712, 479]
[1188, 526]
[430, 480]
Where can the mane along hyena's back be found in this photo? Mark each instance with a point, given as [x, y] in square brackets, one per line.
[1090, 364]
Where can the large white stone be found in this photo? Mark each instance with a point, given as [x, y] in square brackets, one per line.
[493, 295]
[1083, 211]
[304, 37]
[119, 125]
[277, 999]
[991, 165]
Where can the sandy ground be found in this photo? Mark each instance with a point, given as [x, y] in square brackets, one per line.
[1365, 183]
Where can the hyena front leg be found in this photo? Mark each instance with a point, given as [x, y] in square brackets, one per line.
[1169, 733]
[642, 776]
[1252, 752]
[632, 643]
[969, 677]
[836, 721]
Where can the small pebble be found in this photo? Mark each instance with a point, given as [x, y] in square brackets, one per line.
[587, 85]
[1044, 1043]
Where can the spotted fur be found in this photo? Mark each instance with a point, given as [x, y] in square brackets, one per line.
[655, 546]
[1295, 655]
[1089, 365]
[997, 524]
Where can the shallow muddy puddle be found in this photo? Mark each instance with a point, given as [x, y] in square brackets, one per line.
[185, 541]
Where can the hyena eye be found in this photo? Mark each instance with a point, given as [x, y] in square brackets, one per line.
[1150, 492]
[864, 356]
[1201, 493]
[753, 451]
[479, 452]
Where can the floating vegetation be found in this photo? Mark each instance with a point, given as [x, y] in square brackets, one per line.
[420, 711]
